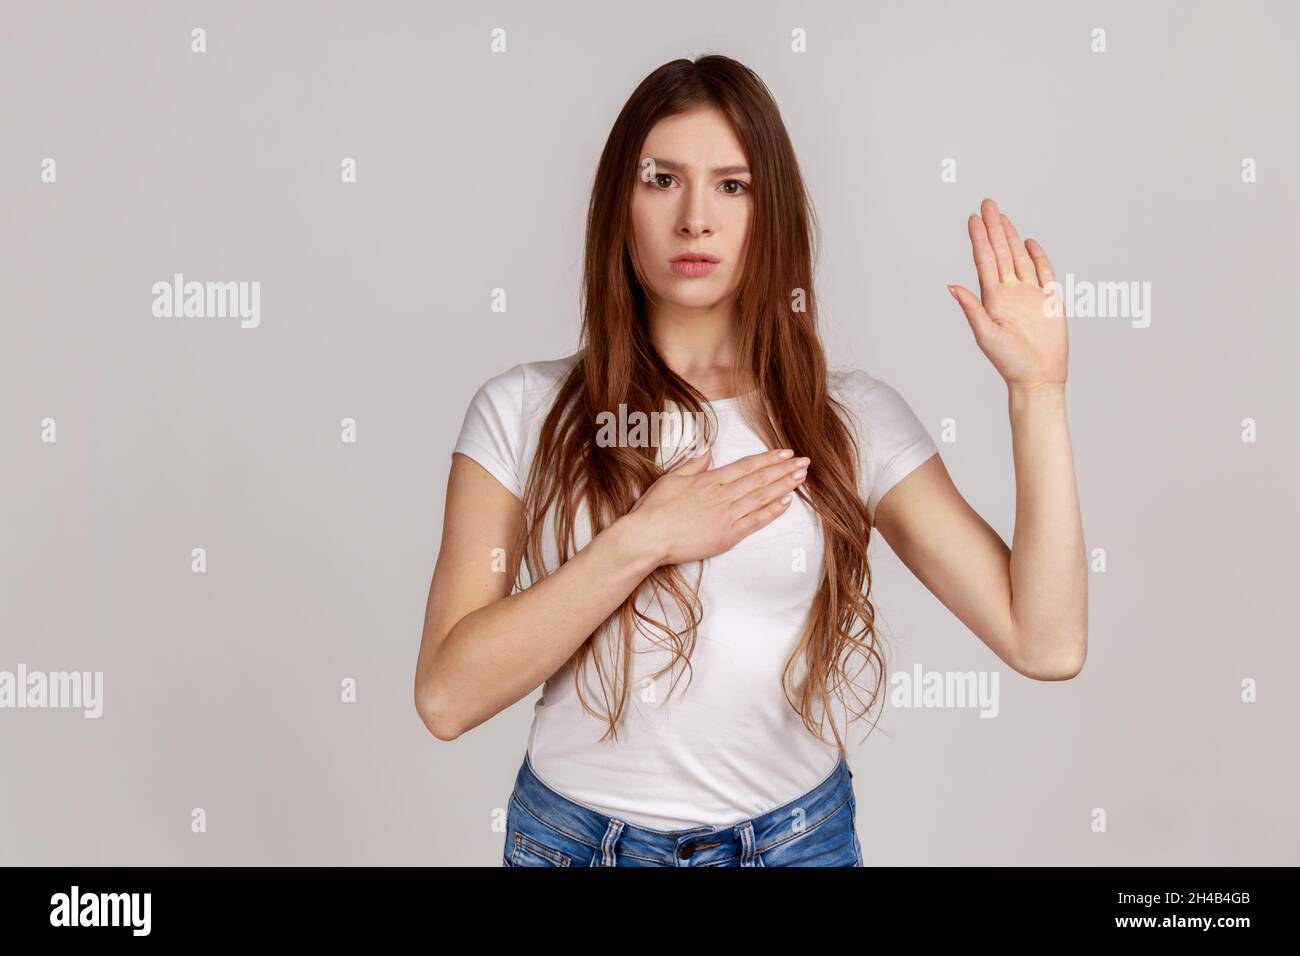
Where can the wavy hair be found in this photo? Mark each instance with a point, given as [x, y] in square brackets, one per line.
[780, 369]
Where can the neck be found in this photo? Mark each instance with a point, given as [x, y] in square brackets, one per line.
[698, 344]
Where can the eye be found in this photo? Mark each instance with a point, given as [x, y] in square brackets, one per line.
[655, 179]
[744, 187]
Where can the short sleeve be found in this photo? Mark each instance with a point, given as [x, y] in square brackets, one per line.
[492, 431]
[892, 440]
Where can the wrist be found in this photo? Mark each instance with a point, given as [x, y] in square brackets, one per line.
[635, 543]
[1046, 391]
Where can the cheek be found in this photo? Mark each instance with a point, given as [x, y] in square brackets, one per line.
[644, 224]
[738, 231]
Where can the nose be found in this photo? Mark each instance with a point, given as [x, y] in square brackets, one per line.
[694, 215]
[695, 228]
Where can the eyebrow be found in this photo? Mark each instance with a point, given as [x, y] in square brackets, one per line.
[673, 166]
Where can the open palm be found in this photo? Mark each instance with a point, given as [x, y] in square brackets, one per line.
[1018, 318]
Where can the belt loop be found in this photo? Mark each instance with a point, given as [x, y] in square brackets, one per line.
[746, 843]
[612, 833]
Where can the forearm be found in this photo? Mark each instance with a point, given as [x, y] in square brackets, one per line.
[498, 653]
[1049, 583]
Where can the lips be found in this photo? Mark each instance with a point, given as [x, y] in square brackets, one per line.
[693, 265]
[693, 268]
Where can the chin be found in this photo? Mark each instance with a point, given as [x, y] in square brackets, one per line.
[700, 299]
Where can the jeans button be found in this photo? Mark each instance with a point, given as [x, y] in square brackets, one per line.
[685, 851]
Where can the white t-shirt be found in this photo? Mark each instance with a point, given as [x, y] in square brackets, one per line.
[726, 746]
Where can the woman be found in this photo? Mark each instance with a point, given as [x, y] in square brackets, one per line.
[699, 607]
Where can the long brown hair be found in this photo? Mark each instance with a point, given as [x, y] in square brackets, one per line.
[781, 370]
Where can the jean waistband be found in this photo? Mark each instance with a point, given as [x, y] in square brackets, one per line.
[702, 845]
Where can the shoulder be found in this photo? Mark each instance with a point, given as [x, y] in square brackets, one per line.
[523, 388]
[846, 381]
[892, 439]
[872, 400]
[504, 416]
[529, 377]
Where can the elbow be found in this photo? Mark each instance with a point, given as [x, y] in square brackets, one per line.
[1066, 670]
[1063, 662]
[436, 717]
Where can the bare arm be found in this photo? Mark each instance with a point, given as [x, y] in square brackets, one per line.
[1049, 569]
[1029, 603]
[483, 648]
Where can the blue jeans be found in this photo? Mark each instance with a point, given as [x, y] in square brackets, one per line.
[544, 828]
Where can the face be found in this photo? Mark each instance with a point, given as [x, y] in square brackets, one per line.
[694, 198]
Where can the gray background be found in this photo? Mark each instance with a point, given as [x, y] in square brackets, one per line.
[222, 689]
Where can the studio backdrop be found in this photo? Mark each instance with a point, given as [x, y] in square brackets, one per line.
[221, 513]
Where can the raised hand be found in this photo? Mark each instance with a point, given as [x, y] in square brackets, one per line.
[1018, 319]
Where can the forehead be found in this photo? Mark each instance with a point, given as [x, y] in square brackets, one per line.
[701, 138]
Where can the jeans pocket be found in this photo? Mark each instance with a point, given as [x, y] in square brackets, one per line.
[831, 842]
[530, 851]
[531, 842]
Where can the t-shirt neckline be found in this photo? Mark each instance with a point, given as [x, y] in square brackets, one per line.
[720, 404]
[728, 402]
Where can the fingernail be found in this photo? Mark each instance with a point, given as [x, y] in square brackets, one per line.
[785, 453]
[953, 292]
